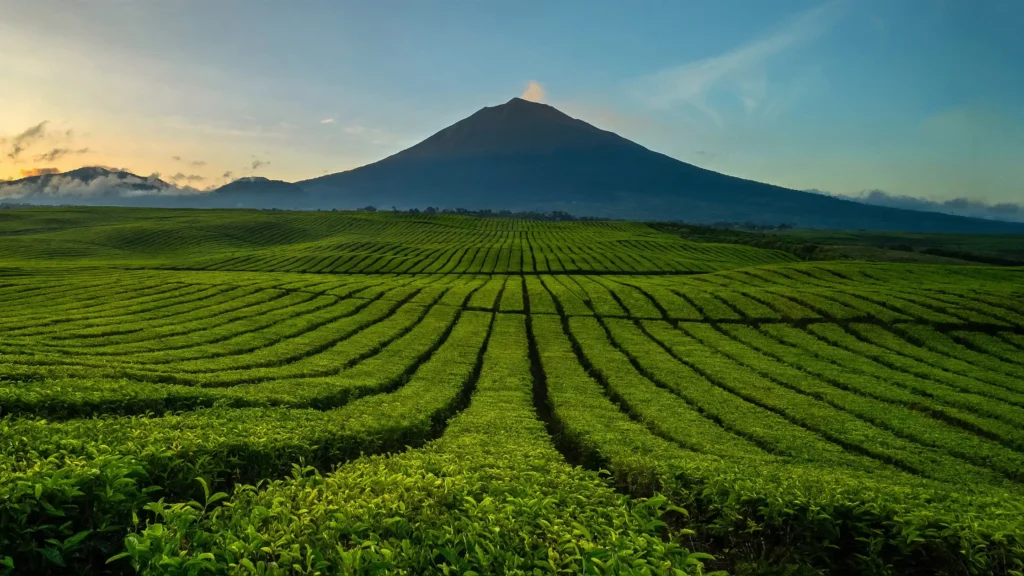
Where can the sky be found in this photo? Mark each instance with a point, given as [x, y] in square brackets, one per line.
[917, 98]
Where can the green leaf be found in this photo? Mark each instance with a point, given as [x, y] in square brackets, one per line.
[53, 555]
[117, 557]
[76, 539]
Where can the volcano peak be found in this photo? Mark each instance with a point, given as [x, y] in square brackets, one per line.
[516, 127]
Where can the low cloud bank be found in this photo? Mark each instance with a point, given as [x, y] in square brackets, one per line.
[103, 185]
[1007, 211]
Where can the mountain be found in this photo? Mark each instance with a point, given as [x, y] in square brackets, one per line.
[257, 192]
[517, 156]
[527, 156]
[88, 185]
[99, 186]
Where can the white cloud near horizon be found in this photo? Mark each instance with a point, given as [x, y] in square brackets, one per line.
[62, 186]
[960, 206]
[741, 72]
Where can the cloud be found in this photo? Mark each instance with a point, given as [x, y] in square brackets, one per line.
[739, 74]
[226, 174]
[59, 185]
[38, 172]
[957, 206]
[115, 184]
[198, 163]
[534, 92]
[327, 121]
[190, 178]
[354, 129]
[705, 154]
[176, 158]
[25, 139]
[256, 164]
[56, 153]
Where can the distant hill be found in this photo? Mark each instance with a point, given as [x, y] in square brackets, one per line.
[98, 186]
[527, 156]
[88, 185]
[257, 192]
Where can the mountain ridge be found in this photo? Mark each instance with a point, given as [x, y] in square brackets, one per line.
[525, 156]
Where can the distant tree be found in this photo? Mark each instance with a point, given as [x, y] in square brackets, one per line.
[368, 209]
[430, 210]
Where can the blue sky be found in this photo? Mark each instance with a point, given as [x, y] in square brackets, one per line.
[914, 97]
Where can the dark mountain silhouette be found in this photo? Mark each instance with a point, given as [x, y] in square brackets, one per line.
[519, 156]
[257, 192]
[527, 156]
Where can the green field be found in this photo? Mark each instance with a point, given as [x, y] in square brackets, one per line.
[896, 247]
[213, 392]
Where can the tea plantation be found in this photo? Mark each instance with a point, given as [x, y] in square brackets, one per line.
[243, 392]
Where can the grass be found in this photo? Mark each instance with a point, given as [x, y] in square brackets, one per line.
[206, 392]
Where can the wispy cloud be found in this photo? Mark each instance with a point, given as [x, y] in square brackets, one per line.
[38, 172]
[257, 163]
[957, 206]
[198, 163]
[20, 142]
[190, 178]
[740, 73]
[56, 153]
[327, 121]
[534, 92]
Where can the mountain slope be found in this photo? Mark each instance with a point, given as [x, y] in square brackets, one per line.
[527, 156]
[257, 192]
